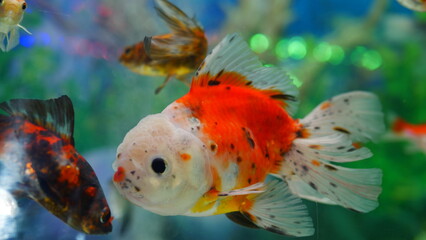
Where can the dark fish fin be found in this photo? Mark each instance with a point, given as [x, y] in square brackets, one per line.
[147, 45]
[239, 218]
[54, 114]
[175, 18]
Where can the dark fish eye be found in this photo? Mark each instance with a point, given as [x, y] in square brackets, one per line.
[24, 6]
[126, 51]
[158, 165]
[105, 216]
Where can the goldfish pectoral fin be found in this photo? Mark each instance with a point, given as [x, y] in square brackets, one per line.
[25, 29]
[147, 45]
[239, 218]
[233, 63]
[2, 44]
[279, 211]
[251, 189]
[303, 190]
[159, 88]
[13, 39]
[54, 114]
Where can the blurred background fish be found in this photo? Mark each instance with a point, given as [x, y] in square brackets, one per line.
[416, 5]
[416, 133]
[40, 162]
[172, 55]
[11, 14]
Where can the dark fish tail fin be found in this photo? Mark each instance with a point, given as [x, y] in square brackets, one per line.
[54, 114]
[333, 132]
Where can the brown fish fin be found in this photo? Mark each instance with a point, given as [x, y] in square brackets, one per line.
[232, 63]
[239, 218]
[175, 18]
[56, 114]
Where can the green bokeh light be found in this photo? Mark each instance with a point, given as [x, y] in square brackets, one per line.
[337, 55]
[297, 48]
[259, 43]
[281, 49]
[323, 52]
[296, 80]
[371, 60]
[357, 55]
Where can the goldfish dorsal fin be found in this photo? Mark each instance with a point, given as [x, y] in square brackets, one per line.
[175, 18]
[232, 62]
[54, 114]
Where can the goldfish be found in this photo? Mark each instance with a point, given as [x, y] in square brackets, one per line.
[173, 54]
[416, 5]
[414, 132]
[40, 162]
[210, 152]
[11, 14]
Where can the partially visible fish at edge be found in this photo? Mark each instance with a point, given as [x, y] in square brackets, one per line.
[174, 54]
[11, 15]
[416, 5]
[416, 133]
[40, 162]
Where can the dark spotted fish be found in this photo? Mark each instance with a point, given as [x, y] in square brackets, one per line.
[40, 162]
[173, 54]
[210, 151]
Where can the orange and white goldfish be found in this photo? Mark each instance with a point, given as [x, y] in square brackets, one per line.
[11, 14]
[413, 132]
[173, 54]
[210, 151]
[39, 161]
[416, 5]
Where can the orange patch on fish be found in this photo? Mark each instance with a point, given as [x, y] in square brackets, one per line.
[316, 163]
[314, 146]
[185, 156]
[119, 175]
[69, 174]
[357, 145]
[325, 105]
[29, 168]
[91, 191]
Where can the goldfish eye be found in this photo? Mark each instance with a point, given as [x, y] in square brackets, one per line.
[158, 165]
[105, 216]
[24, 6]
[126, 51]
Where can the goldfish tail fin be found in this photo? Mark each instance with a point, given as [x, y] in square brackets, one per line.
[332, 132]
[54, 114]
[279, 211]
[232, 63]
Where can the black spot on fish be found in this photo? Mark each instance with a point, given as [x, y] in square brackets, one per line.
[275, 229]
[316, 128]
[305, 168]
[173, 176]
[284, 97]
[333, 184]
[249, 138]
[346, 100]
[228, 88]
[351, 149]
[249, 83]
[232, 38]
[253, 165]
[313, 185]
[299, 134]
[239, 159]
[213, 147]
[296, 222]
[133, 172]
[219, 73]
[138, 177]
[341, 147]
[249, 180]
[213, 82]
[343, 130]
[329, 167]
[119, 155]
[136, 188]
[299, 152]
[272, 216]
[232, 146]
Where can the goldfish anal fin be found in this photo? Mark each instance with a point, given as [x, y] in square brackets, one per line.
[239, 218]
[279, 211]
[232, 62]
[56, 115]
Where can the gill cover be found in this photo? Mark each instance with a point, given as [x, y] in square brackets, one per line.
[161, 167]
